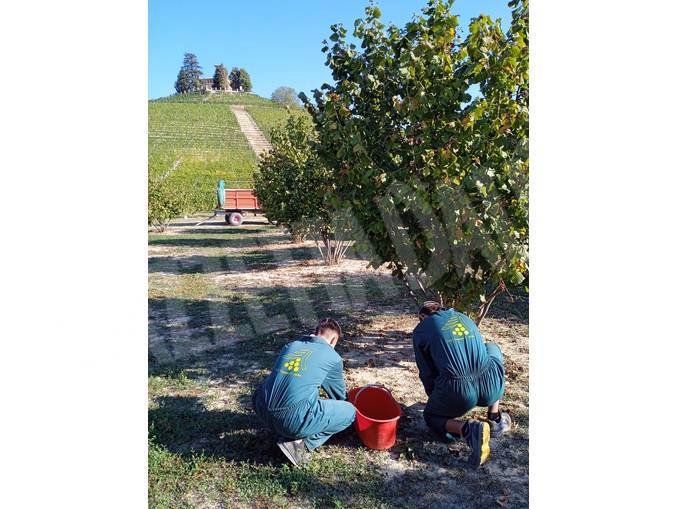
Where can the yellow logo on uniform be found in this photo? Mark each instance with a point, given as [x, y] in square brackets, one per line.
[295, 362]
[457, 328]
[293, 365]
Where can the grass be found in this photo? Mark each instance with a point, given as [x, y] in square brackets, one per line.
[206, 446]
[215, 98]
[194, 145]
[177, 482]
[204, 450]
[268, 116]
[194, 140]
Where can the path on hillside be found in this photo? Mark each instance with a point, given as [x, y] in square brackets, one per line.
[249, 128]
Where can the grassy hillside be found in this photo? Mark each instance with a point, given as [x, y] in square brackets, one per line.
[194, 140]
[193, 145]
[241, 98]
[270, 115]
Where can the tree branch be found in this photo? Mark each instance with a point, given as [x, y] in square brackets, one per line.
[485, 306]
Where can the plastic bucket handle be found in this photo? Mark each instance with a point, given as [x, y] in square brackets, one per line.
[378, 386]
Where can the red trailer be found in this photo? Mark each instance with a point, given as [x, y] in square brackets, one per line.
[234, 202]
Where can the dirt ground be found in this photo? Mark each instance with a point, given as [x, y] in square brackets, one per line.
[223, 301]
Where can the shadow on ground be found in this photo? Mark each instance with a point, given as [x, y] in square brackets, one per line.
[440, 477]
[183, 425]
[234, 444]
[254, 322]
[228, 340]
[217, 222]
[230, 263]
[208, 239]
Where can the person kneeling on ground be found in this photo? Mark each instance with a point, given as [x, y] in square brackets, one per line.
[288, 401]
[459, 372]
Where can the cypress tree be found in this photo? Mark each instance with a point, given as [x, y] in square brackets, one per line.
[234, 78]
[193, 71]
[245, 81]
[182, 85]
[240, 80]
[220, 81]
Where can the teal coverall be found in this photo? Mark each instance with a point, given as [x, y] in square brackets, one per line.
[288, 401]
[458, 369]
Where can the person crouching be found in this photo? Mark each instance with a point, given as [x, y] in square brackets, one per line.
[459, 371]
[288, 402]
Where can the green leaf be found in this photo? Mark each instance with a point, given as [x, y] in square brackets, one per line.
[402, 97]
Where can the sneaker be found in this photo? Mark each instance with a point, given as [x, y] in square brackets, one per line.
[295, 451]
[477, 437]
[498, 428]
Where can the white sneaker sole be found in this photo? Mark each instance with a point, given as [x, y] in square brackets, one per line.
[287, 453]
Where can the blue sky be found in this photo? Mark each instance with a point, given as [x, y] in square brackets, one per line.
[278, 42]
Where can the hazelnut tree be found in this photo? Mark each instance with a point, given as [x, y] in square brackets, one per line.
[426, 135]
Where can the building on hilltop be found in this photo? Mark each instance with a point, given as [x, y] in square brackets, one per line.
[207, 85]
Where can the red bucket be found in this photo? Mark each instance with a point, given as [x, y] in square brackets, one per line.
[377, 415]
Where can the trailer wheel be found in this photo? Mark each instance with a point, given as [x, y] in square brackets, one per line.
[235, 219]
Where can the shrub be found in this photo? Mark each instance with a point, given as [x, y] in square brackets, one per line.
[165, 202]
[286, 96]
[291, 184]
[436, 178]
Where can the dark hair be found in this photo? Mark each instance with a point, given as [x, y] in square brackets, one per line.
[328, 324]
[429, 307]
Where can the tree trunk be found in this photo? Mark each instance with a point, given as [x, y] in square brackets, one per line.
[297, 238]
[485, 306]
